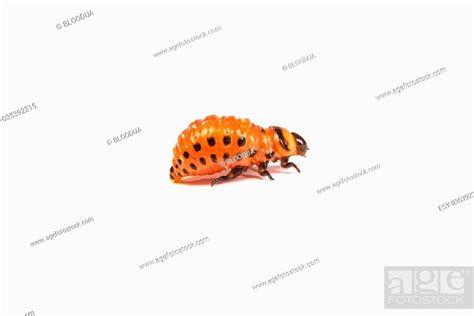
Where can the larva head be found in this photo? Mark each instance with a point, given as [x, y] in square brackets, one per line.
[286, 143]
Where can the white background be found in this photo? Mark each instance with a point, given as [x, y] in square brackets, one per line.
[98, 78]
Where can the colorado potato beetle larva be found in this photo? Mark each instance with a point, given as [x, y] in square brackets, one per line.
[211, 145]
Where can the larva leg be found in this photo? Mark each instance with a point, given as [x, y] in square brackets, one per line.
[262, 170]
[234, 173]
[286, 164]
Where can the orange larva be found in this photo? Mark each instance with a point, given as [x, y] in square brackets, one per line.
[216, 143]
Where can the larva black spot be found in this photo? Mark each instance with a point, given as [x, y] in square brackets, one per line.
[179, 174]
[193, 166]
[227, 140]
[180, 162]
[176, 166]
[241, 141]
[226, 156]
[202, 161]
[171, 177]
[213, 158]
[197, 147]
[211, 141]
[252, 153]
[263, 131]
[186, 155]
[185, 171]
[269, 156]
[171, 169]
